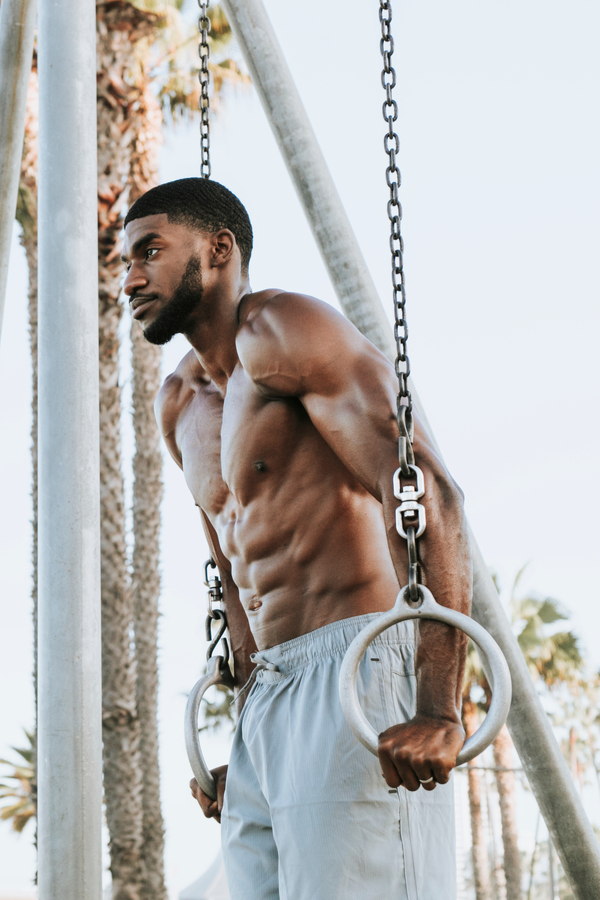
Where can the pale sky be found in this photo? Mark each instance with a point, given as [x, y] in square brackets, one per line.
[500, 142]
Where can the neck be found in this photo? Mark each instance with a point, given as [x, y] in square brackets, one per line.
[213, 339]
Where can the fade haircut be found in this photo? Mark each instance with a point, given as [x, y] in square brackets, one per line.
[199, 204]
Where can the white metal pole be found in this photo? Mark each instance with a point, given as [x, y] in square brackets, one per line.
[70, 741]
[542, 760]
[309, 173]
[17, 26]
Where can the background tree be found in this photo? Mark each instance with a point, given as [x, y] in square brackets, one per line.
[555, 661]
[17, 787]
[147, 64]
[479, 851]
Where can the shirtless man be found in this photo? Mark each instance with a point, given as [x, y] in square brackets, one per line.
[282, 417]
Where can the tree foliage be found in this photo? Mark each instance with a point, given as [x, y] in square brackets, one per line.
[17, 787]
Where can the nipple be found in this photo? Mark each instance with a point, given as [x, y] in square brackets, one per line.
[260, 466]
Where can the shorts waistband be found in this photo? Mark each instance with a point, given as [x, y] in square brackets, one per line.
[327, 641]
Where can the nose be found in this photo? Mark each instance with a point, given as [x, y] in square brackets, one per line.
[134, 280]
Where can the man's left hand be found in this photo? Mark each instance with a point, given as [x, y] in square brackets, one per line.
[420, 753]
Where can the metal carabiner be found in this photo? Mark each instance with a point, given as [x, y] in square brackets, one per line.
[217, 615]
[217, 672]
[213, 583]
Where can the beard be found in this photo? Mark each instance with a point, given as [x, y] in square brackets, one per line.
[174, 318]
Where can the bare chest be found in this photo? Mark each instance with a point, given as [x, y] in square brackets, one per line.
[230, 446]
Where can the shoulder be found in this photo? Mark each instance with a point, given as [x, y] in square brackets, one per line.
[176, 392]
[282, 315]
[283, 338]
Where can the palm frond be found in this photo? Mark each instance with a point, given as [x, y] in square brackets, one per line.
[215, 715]
[18, 786]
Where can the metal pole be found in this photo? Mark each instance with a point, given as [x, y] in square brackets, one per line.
[309, 173]
[542, 760]
[70, 739]
[17, 26]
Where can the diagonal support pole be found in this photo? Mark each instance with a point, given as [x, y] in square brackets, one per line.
[17, 26]
[540, 755]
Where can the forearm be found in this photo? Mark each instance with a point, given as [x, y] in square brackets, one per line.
[241, 642]
[445, 568]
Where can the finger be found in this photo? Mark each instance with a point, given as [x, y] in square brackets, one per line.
[429, 783]
[441, 773]
[389, 771]
[211, 810]
[207, 805]
[426, 775]
[407, 776]
[220, 794]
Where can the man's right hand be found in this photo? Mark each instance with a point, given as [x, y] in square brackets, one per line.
[211, 808]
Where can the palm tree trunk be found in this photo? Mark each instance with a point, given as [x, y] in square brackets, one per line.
[505, 781]
[119, 27]
[27, 218]
[481, 868]
[147, 496]
[498, 879]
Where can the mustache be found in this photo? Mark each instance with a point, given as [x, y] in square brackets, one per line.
[137, 295]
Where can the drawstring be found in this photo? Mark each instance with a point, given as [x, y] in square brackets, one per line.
[259, 663]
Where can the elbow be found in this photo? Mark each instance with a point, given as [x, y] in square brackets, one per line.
[449, 495]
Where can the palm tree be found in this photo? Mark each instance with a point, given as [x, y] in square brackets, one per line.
[18, 787]
[155, 76]
[479, 851]
[27, 218]
[168, 61]
[139, 44]
[554, 658]
[147, 495]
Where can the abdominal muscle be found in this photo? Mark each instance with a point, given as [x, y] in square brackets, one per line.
[308, 559]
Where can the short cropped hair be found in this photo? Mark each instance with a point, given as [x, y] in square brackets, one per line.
[201, 205]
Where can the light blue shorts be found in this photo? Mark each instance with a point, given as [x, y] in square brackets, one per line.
[307, 814]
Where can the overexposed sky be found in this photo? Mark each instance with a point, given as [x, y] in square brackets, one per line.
[500, 141]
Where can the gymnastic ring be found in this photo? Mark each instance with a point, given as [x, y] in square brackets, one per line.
[492, 658]
[217, 672]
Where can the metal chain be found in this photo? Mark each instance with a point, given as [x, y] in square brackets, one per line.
[215, 595]
[407, 494]
[204, 27]
[391, 144]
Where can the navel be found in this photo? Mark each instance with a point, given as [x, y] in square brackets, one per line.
[256, 604]
[260, 465]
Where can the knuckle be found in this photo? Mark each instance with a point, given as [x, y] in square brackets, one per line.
[400, 753]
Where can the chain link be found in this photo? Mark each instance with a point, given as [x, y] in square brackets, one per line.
[203, 77]
[409, 508]
[391, 145]
[414, 568]
[215, 595]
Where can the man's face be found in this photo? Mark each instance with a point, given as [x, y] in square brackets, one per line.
[164, 278]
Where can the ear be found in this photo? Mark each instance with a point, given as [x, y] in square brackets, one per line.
[223, 246]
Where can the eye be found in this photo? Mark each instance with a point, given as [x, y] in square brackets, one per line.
[150, 252]
[127, 267]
